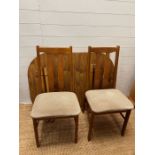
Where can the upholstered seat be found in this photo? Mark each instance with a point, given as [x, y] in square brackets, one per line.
[55, 104]
[106, 100]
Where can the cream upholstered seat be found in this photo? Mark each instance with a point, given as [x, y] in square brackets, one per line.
[106, 100]
[55, 104]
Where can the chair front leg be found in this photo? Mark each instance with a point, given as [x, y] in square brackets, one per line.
[126, 119]
[35, 126]
[91, 121]
[76, 118]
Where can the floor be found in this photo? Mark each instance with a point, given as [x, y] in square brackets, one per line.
[57, 138]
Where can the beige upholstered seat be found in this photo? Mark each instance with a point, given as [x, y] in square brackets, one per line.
[105, 100]
[55, 104]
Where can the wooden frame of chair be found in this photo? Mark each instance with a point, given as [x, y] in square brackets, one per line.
[45, 84]
[107, 51]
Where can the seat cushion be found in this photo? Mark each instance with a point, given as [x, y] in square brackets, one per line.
[105, 100]
[55, 104]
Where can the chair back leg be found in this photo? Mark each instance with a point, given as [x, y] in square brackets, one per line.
[125, 122]
[91, 121]
[35, 126]
[76, 118]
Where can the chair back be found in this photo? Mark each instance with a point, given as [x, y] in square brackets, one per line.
[55, 68]
[102, 67]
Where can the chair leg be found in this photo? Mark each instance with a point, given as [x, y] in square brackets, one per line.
[85, 105]
[76, 118]
[35, 126]
[91, 120]
[125, 122]
[88, 111]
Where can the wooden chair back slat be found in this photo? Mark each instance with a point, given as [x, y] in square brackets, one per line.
[53, 69]
[45, 73]
[50, 72]
[97, 72]
[106, 77]
[105, 71]
[72, 71]
[116, 65]
[61, 72]
[42, 81]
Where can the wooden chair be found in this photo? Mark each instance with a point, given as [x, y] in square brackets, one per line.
[54, 101]
[102, 74]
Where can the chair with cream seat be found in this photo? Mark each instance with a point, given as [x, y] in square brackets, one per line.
[55, 101]
[102, 96]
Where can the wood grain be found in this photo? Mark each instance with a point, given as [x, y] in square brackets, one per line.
[102, 70]
[80, 74]
[61, 73]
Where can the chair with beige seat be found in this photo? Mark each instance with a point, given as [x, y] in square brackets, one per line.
[103, 98]
[57, 99]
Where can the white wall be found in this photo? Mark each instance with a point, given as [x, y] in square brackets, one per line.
[78, 23]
